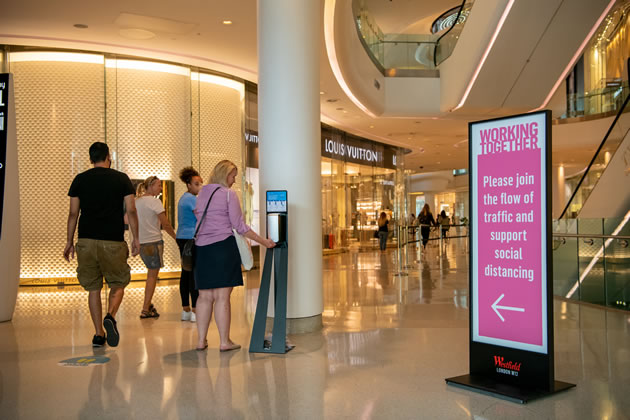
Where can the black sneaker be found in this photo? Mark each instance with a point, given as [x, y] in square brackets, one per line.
[112, 332]
[98, 341]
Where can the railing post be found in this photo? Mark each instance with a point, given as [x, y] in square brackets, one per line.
[399, 253]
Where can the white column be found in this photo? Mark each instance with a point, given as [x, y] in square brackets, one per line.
[10, 219]
[289, 131]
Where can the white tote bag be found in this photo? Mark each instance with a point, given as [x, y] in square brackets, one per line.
[247, 258]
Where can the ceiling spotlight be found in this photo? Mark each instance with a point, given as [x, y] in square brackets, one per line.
[331, 100]
[80, 26]
[321, 92]
[227, 22]
[371, 126]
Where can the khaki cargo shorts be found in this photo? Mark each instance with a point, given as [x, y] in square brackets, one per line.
[98, 259]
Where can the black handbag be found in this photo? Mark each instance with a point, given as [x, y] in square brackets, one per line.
[188, 250]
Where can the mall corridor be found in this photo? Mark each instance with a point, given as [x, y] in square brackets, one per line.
[388, 343]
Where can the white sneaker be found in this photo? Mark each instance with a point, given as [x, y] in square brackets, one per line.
[186, 315]
[193, 317]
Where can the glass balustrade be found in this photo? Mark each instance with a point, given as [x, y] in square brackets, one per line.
[591, 261]
[598, 101]
[393, 53]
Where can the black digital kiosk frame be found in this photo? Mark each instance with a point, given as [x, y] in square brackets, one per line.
[4, 120]
[277, 215]
[531, 374]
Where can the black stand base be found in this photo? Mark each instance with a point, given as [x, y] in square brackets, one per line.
[278, 258]
[504, 391]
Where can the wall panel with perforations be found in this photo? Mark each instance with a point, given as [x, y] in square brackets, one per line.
[154, 117]
[152, 122]
[59, 110]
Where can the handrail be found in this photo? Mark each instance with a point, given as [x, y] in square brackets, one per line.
[437, 43]
[589, 236]
[601, 145]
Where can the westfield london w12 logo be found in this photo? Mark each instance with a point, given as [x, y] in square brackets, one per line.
[506, 368]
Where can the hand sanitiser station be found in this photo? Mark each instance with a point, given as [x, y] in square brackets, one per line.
[277, 257]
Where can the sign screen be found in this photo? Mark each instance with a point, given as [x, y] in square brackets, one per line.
[276, 201]
[4, 108]
[509, 232]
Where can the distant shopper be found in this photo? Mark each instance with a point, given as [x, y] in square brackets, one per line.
[425, 220]
[412, 220]
[186, 222]
[383, 231]
[218, 262]
[98, 195]
[444, 222]
[151, 216]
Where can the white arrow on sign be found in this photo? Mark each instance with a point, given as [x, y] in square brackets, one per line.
[507, 308]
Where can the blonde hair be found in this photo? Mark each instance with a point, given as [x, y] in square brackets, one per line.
[221, 171]
[144, 185]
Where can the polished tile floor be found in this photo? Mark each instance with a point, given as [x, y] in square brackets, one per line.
[388, 343]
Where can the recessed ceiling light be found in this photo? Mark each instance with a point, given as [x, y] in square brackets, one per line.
[227, 22]
[80, 26]
[371, 126]
[321, 92]
[331, 100]
[339, 109]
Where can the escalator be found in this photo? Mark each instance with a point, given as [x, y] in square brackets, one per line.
[591, 254]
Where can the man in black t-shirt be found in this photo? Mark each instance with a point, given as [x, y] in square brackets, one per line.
[98, 195]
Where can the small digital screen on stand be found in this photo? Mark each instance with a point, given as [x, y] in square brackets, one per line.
[276, 201]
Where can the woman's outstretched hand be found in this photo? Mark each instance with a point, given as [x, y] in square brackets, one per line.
[268, 243]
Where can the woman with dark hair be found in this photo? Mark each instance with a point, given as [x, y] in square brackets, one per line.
[186, 222]
[426, 220]
[383, 231]
[218, 262]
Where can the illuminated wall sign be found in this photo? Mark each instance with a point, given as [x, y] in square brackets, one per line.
[511, 294]
[344, 151]
[338, 145]
[4, 108]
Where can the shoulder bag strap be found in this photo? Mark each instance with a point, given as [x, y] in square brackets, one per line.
[204, 213]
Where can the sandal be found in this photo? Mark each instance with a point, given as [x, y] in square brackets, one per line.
[153, 310]
[148, 314]
[202, 348]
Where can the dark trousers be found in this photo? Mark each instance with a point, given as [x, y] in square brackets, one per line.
[187, 282]
[425, 231]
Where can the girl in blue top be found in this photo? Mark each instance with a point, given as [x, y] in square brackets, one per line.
[186, 222]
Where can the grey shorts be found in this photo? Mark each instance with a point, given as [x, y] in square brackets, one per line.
[152, 254]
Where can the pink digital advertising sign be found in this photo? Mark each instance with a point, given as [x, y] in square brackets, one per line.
[509, 212]
[511, 300]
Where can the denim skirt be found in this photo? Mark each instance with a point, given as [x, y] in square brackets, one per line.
[218, 265]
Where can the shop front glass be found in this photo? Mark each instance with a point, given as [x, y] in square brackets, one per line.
[353, 197]
[360, 180]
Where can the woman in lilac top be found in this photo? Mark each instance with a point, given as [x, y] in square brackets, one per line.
[218, 263]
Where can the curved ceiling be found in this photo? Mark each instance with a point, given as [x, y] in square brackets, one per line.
[192, 32]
